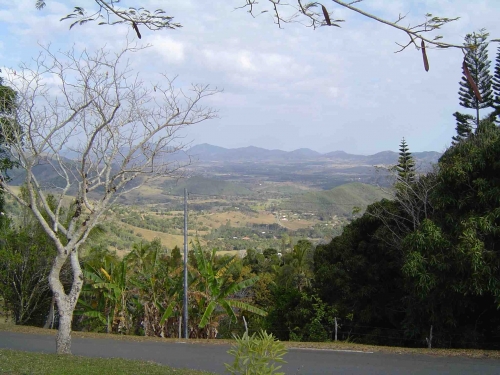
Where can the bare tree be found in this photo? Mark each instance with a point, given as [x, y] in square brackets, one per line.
[121, 131]
[410, 205]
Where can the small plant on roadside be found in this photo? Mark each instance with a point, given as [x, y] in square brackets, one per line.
[257, 354]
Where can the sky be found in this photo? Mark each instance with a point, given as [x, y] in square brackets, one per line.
[326, 89]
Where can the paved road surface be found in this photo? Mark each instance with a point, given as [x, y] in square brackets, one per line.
[300, 361]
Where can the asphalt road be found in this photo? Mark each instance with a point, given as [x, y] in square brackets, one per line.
[300, 361]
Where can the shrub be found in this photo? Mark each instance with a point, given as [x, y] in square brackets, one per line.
[257, 354]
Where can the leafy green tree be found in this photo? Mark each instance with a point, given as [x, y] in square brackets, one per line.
[467, 207]
[284, 316]
[25, 253]
[261, 262]
[299, 315]
[24, 268]
[302, 261]
[175, 259]
[478, 64]
[451, 264]
[359, 274]
[268, 253]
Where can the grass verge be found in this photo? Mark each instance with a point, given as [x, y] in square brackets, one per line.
[18, 362]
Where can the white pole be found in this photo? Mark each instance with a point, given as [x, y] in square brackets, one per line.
[185, 266]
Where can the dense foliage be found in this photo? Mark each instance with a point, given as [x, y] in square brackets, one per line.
[444, 273]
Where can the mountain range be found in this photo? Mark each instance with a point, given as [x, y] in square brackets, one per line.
[209, 153]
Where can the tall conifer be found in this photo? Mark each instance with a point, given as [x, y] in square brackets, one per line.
[496, 86]
[406, 164]
[464, 126]
[478, 64]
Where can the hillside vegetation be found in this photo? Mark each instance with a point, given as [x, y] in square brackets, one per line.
[338, 201]
[205, 186]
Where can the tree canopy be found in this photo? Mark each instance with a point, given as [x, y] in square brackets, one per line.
[443, 271]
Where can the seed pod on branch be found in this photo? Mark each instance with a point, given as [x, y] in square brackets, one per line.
[327, 16]
[471, 81]
[136, 30]
[424, 55]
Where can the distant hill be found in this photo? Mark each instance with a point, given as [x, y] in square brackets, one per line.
[205, 186]
[206, 152]
[45, 173]
[338, 201]
[343, 156]
[303, 153]
[210, 153]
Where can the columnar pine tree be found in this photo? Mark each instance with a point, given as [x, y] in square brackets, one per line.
[406, 164]
[478, 64]
[496, 86]
[464, 126]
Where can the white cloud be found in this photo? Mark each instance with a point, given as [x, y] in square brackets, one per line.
[334, 87]
[170, 50]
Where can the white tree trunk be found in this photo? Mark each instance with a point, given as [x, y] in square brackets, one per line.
[66, 303]
[63, 337]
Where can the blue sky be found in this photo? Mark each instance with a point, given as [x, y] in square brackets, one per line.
[326, 89]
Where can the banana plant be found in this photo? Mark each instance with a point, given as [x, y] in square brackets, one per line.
[216, 290]
[105, 295]
[158, 290]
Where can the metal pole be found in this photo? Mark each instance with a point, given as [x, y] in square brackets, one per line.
[185, 318]
[336, 328]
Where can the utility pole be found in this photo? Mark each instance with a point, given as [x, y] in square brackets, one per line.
[185, 318]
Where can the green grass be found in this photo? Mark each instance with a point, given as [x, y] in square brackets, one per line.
[18, 362]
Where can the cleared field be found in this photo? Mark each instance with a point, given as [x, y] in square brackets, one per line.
[168, 240]
[237, 218]
[295, 224]
[240, 253]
